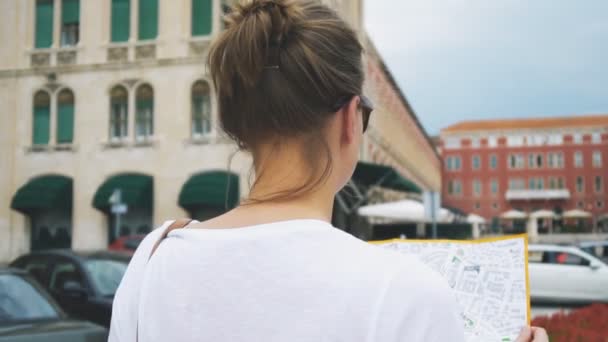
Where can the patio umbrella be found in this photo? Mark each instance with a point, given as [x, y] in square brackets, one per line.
[576, 213]
[405, 210]
[472, 218]
[514, 215]
[541, 214]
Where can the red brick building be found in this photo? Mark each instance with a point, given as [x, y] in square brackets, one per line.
[558, 164]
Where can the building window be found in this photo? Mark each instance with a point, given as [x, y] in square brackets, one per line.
[494, 186]
[596, 138]
[148, 19]
[453, 163]
[70, 22]
[536, 183]
[515, 141]
[118, 113]
[492, 141]
[555, 160]
[65, 117]
[599, 204]
[44, 24]
[599, 184]
[452, 143]
[578, 159]
[516, 161]
[42, 118]
[202, 17]
[516, 184]
[475, 142]
[454, 187]
[535, 161]
[577, 138]
[477, 187]
[144, 112]
[476, 162]
[477, 206]
[493, 162]
[556, 183]
[597, 159]
[495, 206]
[556, 139]
[121, 20]
[201, 109]
[580, 184]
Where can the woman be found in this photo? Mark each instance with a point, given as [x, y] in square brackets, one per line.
[288, 76]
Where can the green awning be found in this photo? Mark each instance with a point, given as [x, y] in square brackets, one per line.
[210, 189]
[370, 174]
[46, 192]
[136, 190]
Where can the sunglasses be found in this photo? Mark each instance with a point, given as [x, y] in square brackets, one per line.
[365, 105]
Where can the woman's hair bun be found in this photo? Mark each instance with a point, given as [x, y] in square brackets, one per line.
[279, 67]
[274, 17]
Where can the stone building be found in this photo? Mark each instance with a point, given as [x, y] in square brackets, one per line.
[108, 101]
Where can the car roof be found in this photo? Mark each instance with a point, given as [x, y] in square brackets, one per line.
[68, 253]
[11, 270]
[593, 243]
[560, 248]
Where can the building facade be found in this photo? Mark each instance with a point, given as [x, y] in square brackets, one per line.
[108, 123]
[553, 164]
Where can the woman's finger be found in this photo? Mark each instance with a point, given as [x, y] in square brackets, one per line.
[525, 335]
[539, 335]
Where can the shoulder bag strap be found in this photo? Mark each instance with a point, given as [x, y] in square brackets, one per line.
[177, 224]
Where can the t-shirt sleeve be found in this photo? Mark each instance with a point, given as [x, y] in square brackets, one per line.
[126, 300]
[418, 305]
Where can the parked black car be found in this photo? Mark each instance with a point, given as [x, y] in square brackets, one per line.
[83, 284]
[29, 314]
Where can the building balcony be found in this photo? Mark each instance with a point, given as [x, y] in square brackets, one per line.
[50, 57]
[558, 194]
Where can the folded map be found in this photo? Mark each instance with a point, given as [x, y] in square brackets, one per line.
[489, 278]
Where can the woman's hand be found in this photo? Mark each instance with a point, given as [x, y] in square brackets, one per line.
[533, 334]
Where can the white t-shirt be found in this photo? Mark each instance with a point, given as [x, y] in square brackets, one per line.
[291, 281]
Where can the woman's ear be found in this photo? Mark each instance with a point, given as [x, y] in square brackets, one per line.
[350, 120]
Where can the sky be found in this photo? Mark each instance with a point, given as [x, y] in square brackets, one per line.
[461, 60]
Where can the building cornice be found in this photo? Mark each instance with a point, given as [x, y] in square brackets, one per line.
[78, 68]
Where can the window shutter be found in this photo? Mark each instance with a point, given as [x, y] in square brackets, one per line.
[202, 17]
[44, 23]
[65, 123]
[41, 125]
[121, 19]
[70, 11]
[148, 19]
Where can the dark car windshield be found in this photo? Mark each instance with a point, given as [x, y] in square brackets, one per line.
[20, 301]
[106, 274]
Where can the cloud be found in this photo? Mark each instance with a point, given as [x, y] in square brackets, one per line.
[458, 59]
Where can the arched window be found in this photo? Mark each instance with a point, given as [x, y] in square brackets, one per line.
[65, 117]
[42, 118]
[144, 117]
[118, 112]
[202, 17]
[201, 109]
